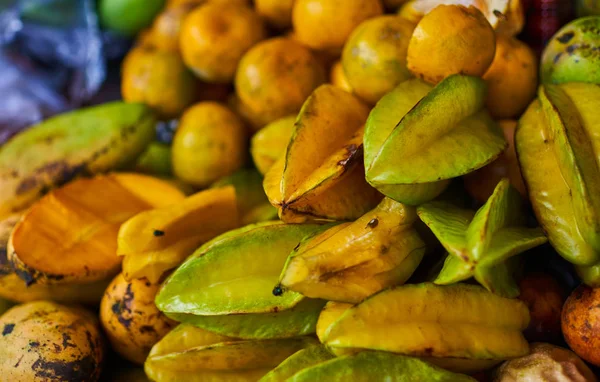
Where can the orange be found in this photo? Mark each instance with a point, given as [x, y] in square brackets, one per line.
[481, 183]
[338, 78]
[512, 79]
[164, 33]
[215, 36]
[408, 12]
[326, 24]
[451, 39]
[210, 142]
[158, 79]
[275, 77]
[277, 13]
[374, 57]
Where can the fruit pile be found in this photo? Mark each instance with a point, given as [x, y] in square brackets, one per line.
[314, 190]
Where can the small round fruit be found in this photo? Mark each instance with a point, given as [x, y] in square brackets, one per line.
[158, 79]
[393, 4]
[451, 39]
[275, 77]
[270, 142]
[209, 143]
[215, 36]
[374, 57]
[544, 297]
[338, 78]
[573, 54]
[581, 323]
[130, 318]
[164, 33]
[512, 78]
[277, 13]
[45, 341]
[480, 184]
[407, 11]
[326, 24]
[128, 17]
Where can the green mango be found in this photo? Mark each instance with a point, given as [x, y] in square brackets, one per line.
[252, 201]
[298, 321]
[86, 141]
[557, 145]
[573, 55]
[479, 244]
[235, 273]
[192, 354]
[415, 137]
[297, 362]
[155, 160]
[371, 366]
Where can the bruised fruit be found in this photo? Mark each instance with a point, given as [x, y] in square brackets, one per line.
[376, 366]
[215, 36]
[45, 341]
[275, 77]
[572, 54]
[462, 321]
[210, 142]
[581, 323]
[236, 272]
[86, 141]
[270, 142]
[80, 229]
[482, 244]
[326, 24]
[321, 176]
[480, 184]
[544, 297]
[193, 354]
[374, 57]
[352, 261]
[130, 319]
[545, 363]
[415, 137]
[277, 13]
[512, 78]
[557, 146]
[451, 39]
[157, 79]
[158, 240]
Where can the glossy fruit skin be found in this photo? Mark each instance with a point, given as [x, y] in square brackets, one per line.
[544, 297]
[127, 17]
[277, 13]
[164, 32]
[581, 323]
[157, 79]
[326, 24]
[573, 53]
[338, 78]
[439, 48]
[275, 77]
[210, 143]
[215, 36]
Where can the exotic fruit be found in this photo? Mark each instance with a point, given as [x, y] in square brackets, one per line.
[557, 146]
[573, 53]
[581, 323]
[415, 137]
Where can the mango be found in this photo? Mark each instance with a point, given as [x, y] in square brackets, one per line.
[321, 177]
[80, 228]
[459, 321]
[87, 141]
[158, 240]
[352, 261]
[235, 273]
[557, 147]
[381, 366]
[412, 148]
[270, 142]
[297, 362]
[44, 341]
[572, 53]
[192, 354]
[480, 244]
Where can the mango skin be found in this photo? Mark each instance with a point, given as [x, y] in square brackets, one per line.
[45, 341]
[86, 141]
[573, 54]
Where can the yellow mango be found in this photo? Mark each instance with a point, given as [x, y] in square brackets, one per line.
[156, 241]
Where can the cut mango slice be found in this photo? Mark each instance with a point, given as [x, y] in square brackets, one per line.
[70, 234]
